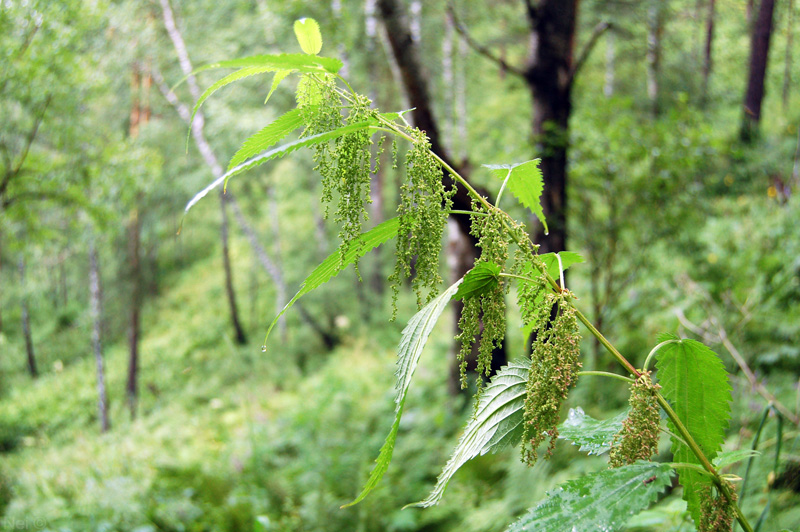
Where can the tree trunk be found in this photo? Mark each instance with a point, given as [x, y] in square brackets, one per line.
[549, 78]
[26, 322]
[787, 61]
[759, 53]
[95, 300]
[239, 335]
[135, 275]
[654, 33]
[707, 57]
[611, 55]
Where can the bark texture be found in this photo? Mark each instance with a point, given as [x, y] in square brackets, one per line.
[26, 323]
[95, 308]
[759, 53]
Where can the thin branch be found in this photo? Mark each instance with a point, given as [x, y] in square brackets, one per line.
[180, 48]
[597, 32]
[479, 48]
[14, 170]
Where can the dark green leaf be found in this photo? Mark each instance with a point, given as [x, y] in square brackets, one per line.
[480, 279]
[335, 263]
[525, 182]
[268, 136]
[695, 383]
[594, 436]
[412, 342]
[308, 35]
[497, 424]
[601, 501]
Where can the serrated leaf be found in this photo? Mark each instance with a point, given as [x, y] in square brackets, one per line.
[593, 436]
[694, 381]
[497, 424]
[308, 35]
[335, 262]
[300, 62]
[276, 81]
[525, 182]
[568, 258]
[600, 501]
[268, 136]
[727, 458]
[280, 151]
[480, 279]
[227, 80]
[412, 342]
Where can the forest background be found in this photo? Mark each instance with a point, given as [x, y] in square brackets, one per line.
[134, 392]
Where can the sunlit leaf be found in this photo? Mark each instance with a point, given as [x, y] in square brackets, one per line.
[593, 436]
[727, 458]
[227, 80]
[480, 279]
[268, 136]
[276, 81]
[568, 258]
[525, 182]
[415, 336]
[695, 382]
[308, 35]
[497, 424]
[600, 501]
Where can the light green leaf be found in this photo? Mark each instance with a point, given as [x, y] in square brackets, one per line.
[412, 342]
[601, 501]
[497, 424]
[480, 279]
[695, 382]
[592, 435]
[268, 136]
[308, 64]
[274, 153]
[227, 80]
[335, 263]
[280, 75]
[525, 182]
[727, 458]
[568, 258]
[308, 35]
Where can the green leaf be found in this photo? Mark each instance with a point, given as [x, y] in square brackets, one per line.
[412, 342]
[308, 35]
[497, 424]
[594, 436]
[276, 153]
[480, 279]
[268, 136]
[601, 501]
[308, 64]
[727, 458]
[568, 258]
[280, 75]
[695, 382]
[227, 80]
[335, 263]
[525, 182]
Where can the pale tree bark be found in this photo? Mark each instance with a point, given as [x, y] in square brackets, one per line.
[759, 54]
[461, 139]
[96, 311]
[707, 56]
[26, 322]
[611, 55]
[134, 326]
[212, 162]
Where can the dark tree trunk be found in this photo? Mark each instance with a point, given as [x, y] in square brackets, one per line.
[26, 323]
[707, 56]
[134, 236]
[787, 61]
[239, 335]
[549, 76]
[759, 53]
[96, 308]
[654, 34]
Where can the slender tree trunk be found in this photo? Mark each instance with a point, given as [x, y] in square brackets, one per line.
[759, 54]
[549, 77]
[239, 334]
[461, 140]
[654, 33]
[95, 300]
[135, 275]
[787, 60]
[611, 55]
[275, 223]
[707, 57]
[26, 322]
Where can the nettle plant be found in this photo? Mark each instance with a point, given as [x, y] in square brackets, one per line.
[522, 402]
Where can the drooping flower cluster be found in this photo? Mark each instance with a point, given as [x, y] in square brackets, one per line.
[423, 210]
[554, 370]
[716, 510]
[638, 439]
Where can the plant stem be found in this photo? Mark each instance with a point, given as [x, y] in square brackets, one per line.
[602, 339]
[607, 374]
